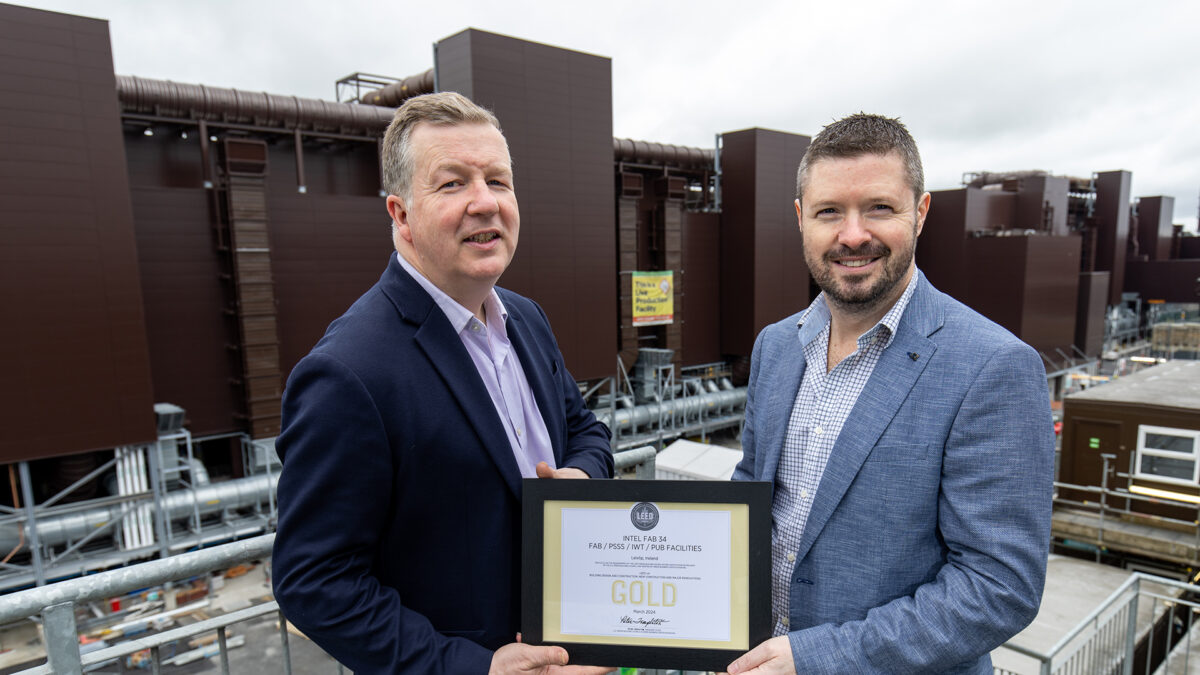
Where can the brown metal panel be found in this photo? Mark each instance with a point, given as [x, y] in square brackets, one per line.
[1089, 312]
[78, 366]
[183, 295]
[556, 109]
[1166, 280]
[737, 243]
[1051, 292]
[1042, 204]
[941, 248]
[329, 244]
[996, 279]
[1029, 285]
[702, 298]
[1112, 216]
[1155, 216]
[763, 274]
[989, 210]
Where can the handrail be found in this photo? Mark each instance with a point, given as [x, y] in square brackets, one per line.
[106, 584]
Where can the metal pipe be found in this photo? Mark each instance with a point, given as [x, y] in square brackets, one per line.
[35, 543]
[680, 156]
[215, 104]
[213, 498]
[396, 93]
[629, 418]
[642, 458]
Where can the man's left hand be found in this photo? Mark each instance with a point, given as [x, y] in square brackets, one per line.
[544, 471]
[772, 657]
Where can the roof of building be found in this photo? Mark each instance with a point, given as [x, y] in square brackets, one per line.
[1174, 384]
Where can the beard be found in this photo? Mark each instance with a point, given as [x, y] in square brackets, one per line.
[859, 293]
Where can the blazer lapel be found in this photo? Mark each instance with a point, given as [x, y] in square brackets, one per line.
[783, 381]
[435, 338]
[893, 378]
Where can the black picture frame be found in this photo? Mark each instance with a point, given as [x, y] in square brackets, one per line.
[756, 495]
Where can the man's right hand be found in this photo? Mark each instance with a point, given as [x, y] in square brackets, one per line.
[534, 660]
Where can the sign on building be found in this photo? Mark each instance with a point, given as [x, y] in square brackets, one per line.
[653, 298]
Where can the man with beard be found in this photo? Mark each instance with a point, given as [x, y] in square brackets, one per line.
[908, 438]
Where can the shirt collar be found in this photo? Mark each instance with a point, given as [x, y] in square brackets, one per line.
[815, 318]
[460, 317]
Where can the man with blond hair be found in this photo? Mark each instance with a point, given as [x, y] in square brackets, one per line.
[409, 427]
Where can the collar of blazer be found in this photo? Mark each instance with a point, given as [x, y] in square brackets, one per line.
[436, 339]
[893, 378]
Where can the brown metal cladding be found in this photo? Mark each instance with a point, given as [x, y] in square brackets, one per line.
[181, 272]
[555, 106]
[1155, 216]
[702, 291]
[1042, 204]
[1051, 294]
[627, 261]
[77, 368]
[329, 244]
[1089, 312]
[1166, 280]
[1112, 216]
[1029, 285]
[763, 274]
[996, 278]
[941, 248]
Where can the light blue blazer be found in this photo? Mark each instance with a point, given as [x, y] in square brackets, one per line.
[927, 542]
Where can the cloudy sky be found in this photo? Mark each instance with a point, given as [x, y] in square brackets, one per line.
[1068, 87]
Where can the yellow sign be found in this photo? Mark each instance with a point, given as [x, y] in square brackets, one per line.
[653, 298]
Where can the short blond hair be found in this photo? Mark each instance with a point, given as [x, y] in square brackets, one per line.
[445, 108]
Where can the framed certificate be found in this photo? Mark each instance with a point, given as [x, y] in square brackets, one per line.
[647, 573]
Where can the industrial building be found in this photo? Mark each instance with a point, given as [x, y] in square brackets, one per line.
[171, 250]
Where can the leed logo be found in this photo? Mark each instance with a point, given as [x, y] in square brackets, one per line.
[644, 516]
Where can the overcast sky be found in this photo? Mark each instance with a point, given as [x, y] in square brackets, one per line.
[1068, 87]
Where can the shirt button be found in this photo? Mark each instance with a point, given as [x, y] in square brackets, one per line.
[784, 621]
[791, 557]
[818, 430]
[518, 432]
[475, 327]
[804, 494]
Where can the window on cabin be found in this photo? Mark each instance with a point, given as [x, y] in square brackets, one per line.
[1168, 455]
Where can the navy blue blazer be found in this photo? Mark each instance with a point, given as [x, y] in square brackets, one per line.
[927, 540]
[398, 545]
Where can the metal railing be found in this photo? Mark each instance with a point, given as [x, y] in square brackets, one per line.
[1104, 509]
[57, 538]
[56, 603]
[1118, 638]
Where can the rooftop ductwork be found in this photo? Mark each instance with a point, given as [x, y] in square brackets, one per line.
[675, 156]
[161, 98]
[394, 94]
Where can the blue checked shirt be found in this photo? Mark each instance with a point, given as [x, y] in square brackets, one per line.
[822, 405]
